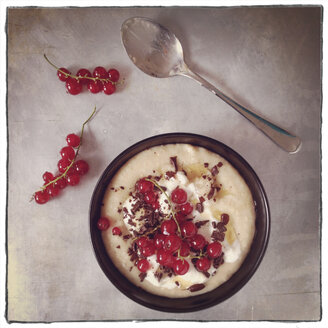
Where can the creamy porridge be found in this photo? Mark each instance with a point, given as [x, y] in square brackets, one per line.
[177, 220]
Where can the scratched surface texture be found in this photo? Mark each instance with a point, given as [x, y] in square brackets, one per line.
[266, 58]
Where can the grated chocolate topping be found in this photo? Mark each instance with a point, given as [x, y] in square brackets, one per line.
[174, 162]
[196, 287]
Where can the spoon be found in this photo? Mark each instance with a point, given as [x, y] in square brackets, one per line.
[157, 52]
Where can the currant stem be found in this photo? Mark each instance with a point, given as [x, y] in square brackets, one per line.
[172, 212]
[76, 153]
[147, 233]
[80, 77]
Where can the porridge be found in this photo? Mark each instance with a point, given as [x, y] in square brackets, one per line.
[177, 220]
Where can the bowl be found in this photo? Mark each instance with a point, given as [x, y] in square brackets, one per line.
[239, 278]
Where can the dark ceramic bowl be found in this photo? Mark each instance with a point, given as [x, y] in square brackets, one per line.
[221, 293]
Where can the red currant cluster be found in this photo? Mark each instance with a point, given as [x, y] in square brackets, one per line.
[99, 80]
[176, 238]
[70, 170]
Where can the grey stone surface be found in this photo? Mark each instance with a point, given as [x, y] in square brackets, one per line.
[266, 58]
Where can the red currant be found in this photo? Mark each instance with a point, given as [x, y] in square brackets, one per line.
[203, 264]
[73, 140]
[60, 183]
[197, 242]
[172, 243]
[148, 249]
[63, 164]
[143, 265]
[113, 74]
[41, 197]
[142, 241]
[53, 190]
[169, 227]
[100, 72]
[144, 186]
[83, 72]
[214, 249]
[150, 197]
[95, 86]
[81, 167]
[109, 88]
[164, 257]
[180, 266]
[159, 241]
[73, 179]
[184, 249]
[73, 86]
[68, 153]
[47, 177]
[186, 208]
[116, 231]
[63, 77]
[188, 229]
[179, 196]
[103, 223]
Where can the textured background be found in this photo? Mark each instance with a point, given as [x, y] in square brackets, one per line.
[266, 58]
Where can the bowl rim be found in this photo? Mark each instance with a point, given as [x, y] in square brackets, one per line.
[238, 279]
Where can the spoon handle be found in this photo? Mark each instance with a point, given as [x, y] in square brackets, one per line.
[281, 137]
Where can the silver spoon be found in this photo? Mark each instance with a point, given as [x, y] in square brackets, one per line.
[157, 52]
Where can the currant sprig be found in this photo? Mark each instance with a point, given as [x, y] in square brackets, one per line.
[68, 154]
[100, 81]
[172, 212]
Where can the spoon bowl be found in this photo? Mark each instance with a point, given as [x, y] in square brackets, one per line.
[158, 52]
[152, 47]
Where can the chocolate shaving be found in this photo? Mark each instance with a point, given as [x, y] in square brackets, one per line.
[142, 276]
[200, 207]
[205, 164]
[201, 199]
[220, 164]
[218, 261]
[174, 163]
[196, 287]
[225, 218]
[133, 254]
[221, 227]
[199, 224]
[211, 193]
[194, 260]
[207, 274]
[118, 246]
[122, 187]
[125, 237]
[177, 283]
[131, 222]
[214, 170]
[170, 174]
[158, 275]
[217, 235]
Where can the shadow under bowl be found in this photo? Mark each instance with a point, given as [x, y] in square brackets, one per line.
[239, 278]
